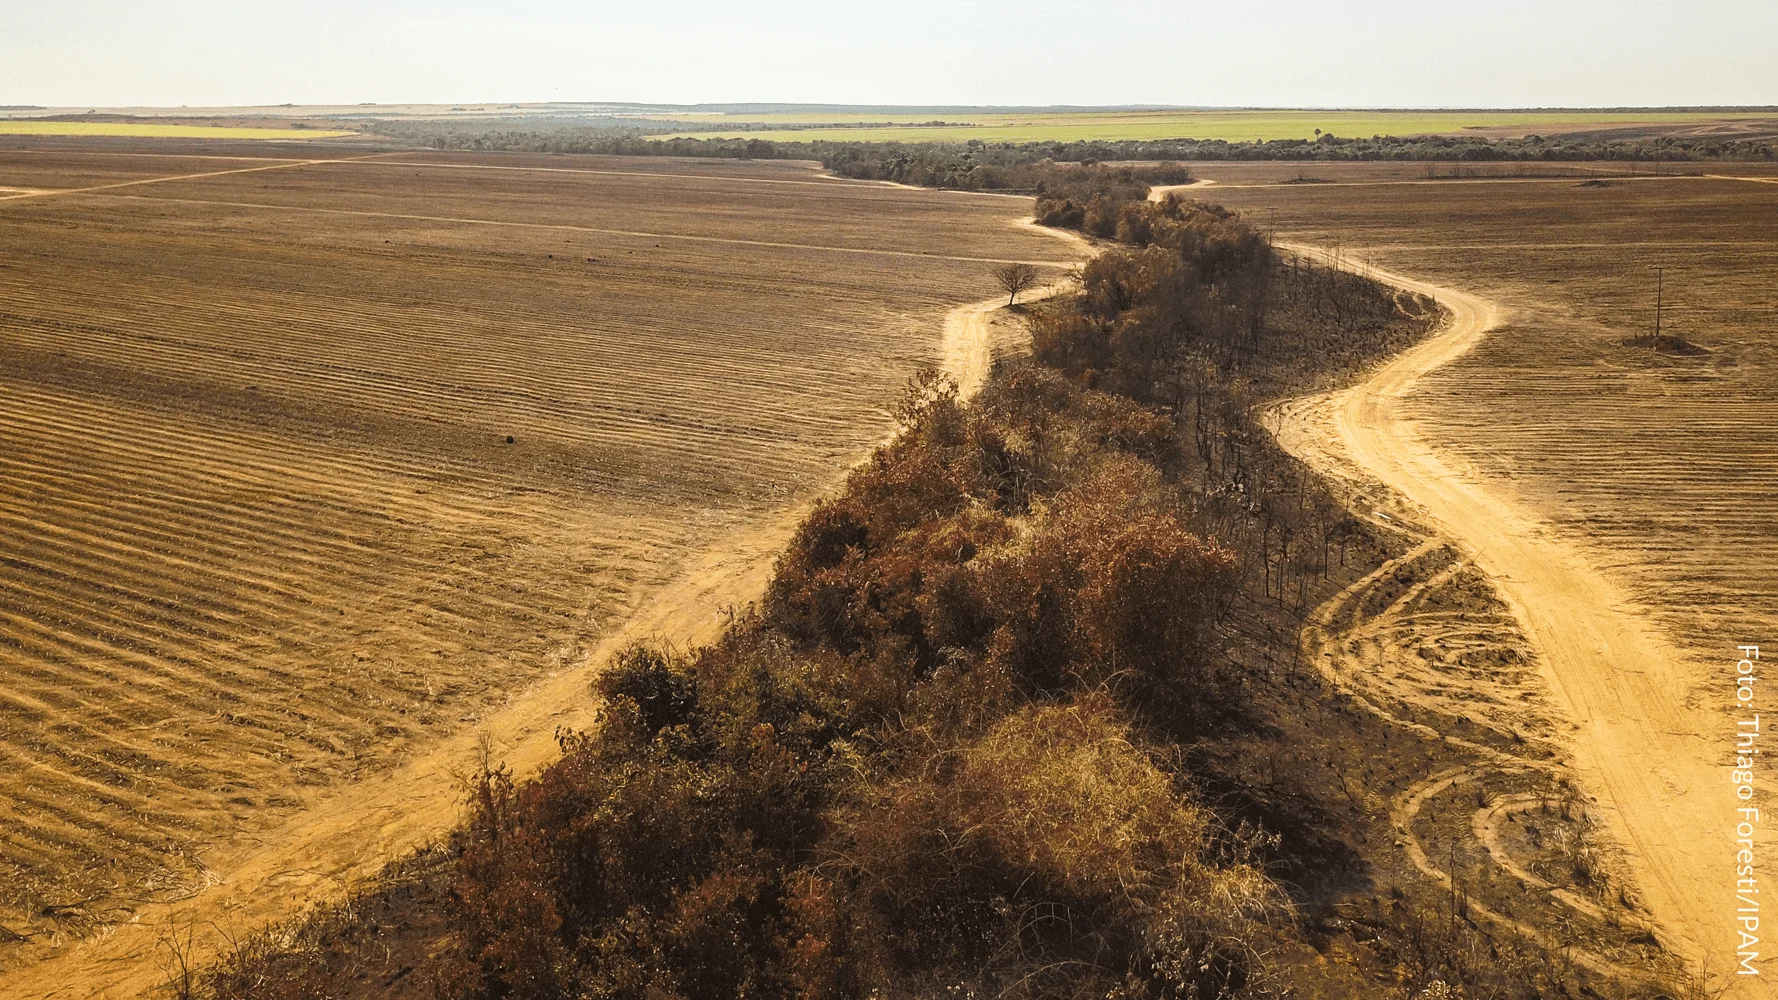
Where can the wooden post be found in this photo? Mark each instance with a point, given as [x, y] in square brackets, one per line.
[1659, 271]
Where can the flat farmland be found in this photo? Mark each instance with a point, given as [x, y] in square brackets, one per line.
[310, 461]
[1233, 125]
[1623, 492]
[1660, 461]
[144, 130]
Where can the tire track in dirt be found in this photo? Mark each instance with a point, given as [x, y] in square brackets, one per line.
[282, 165]
[563, 227]
[1371, 642]
[1348, 639]
[1636, 745]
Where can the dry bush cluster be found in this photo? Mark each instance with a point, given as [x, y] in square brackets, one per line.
[1193, 283]
[914, 767]
[1197, 317]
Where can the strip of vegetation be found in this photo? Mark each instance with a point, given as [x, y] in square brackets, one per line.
[1019, 715]
[961, 156]
[619, 137]
[972, 165]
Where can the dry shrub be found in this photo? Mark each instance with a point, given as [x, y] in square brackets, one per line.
[1035, 642]
[1150, 591]
[1064, 338]
[1190, 278]
[1108, 582]
[909, 594]
[650, 860]
[1062, 213]
[1052, 839]
[1060, 791]
[643, 682]
[1054, 432]
[507, 890]
[1103, 201]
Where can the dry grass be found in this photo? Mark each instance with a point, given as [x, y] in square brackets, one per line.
[309, 466]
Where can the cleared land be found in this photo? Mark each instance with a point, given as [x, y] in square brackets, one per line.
[150, 130]
[1618, 495]
[313, 464]
[1233, 126]
[1656, 458]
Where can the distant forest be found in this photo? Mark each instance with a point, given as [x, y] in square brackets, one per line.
[951, 164]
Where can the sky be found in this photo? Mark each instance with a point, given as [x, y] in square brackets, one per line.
[1357, 53]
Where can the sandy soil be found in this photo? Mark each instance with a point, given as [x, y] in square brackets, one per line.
[710, 420]
[1648, 758]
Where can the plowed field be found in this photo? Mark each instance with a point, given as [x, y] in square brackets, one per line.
[1618, 491]
[307, 464]
[1660, 461]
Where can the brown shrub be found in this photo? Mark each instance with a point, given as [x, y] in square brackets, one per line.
[1035, 642]
[1050, 838]
[1064, 338]
[1151, 595]
[642, 677]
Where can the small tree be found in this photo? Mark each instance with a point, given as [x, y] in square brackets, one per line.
[1015, 278]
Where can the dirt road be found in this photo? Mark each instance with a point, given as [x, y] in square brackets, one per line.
[1642, 744]
[349, 836]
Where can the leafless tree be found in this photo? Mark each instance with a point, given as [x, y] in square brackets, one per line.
[179, 964]
[1015, 278]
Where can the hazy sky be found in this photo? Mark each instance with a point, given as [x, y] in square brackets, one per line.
[1426, 53]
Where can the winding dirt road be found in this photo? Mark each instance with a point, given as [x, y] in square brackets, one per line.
[1640, 743]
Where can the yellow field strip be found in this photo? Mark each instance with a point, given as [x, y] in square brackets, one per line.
[563, 227]
[139, 153]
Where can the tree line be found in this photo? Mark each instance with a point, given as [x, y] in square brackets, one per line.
[953, 164]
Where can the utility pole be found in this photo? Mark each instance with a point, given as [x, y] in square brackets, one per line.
[1659, 270]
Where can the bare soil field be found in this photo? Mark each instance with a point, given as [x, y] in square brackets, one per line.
[313, 464]
[170, 130]
[1323, 173]
[1611, 490]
